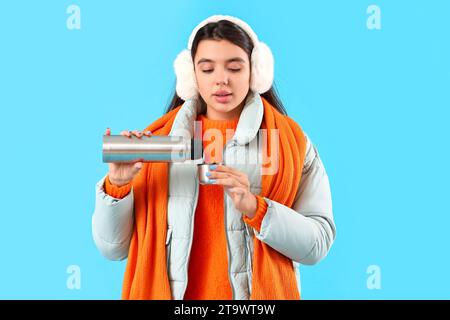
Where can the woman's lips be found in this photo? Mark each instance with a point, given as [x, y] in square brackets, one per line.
[223, 98]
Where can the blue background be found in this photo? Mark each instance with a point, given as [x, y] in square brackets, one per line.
[374, 102]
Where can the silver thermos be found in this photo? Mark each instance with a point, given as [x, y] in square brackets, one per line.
[119, 148]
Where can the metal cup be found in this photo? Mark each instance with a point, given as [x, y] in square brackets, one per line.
[202, 169]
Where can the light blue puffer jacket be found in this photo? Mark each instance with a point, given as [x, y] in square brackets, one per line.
[304, 233]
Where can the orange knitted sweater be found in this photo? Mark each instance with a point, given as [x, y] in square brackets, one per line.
[208, 263]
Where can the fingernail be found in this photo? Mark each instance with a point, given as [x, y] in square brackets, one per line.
[213, 167]
[148, 132]
[212, 180]
[208, 174]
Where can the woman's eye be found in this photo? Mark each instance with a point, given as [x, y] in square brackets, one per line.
[211, 70]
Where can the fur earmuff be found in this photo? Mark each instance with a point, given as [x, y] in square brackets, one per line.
[186, 86]
[262, 68]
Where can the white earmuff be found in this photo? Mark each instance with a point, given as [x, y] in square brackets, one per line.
[184, 70]
[262, 68]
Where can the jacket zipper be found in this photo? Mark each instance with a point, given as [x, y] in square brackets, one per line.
[233, 294]
[249, 259]
[169, 247]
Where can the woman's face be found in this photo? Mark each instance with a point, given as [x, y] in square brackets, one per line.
[222, 70]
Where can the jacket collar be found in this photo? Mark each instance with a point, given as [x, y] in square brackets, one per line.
[247, 127]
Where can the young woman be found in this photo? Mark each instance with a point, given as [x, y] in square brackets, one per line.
[244, 235]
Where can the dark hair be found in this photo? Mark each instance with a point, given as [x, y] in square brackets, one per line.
[226, 30]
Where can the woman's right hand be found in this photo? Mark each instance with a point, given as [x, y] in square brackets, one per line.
[121, 173]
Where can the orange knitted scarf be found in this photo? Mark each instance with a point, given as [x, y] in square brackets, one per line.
[273, 274]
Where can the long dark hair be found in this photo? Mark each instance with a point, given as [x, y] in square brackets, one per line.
[226, 30]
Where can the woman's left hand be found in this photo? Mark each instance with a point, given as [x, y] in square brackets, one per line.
[237, 186]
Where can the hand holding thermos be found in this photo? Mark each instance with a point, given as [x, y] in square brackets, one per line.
[121, 173]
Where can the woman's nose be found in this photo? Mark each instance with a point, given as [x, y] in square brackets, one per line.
[221, 77]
